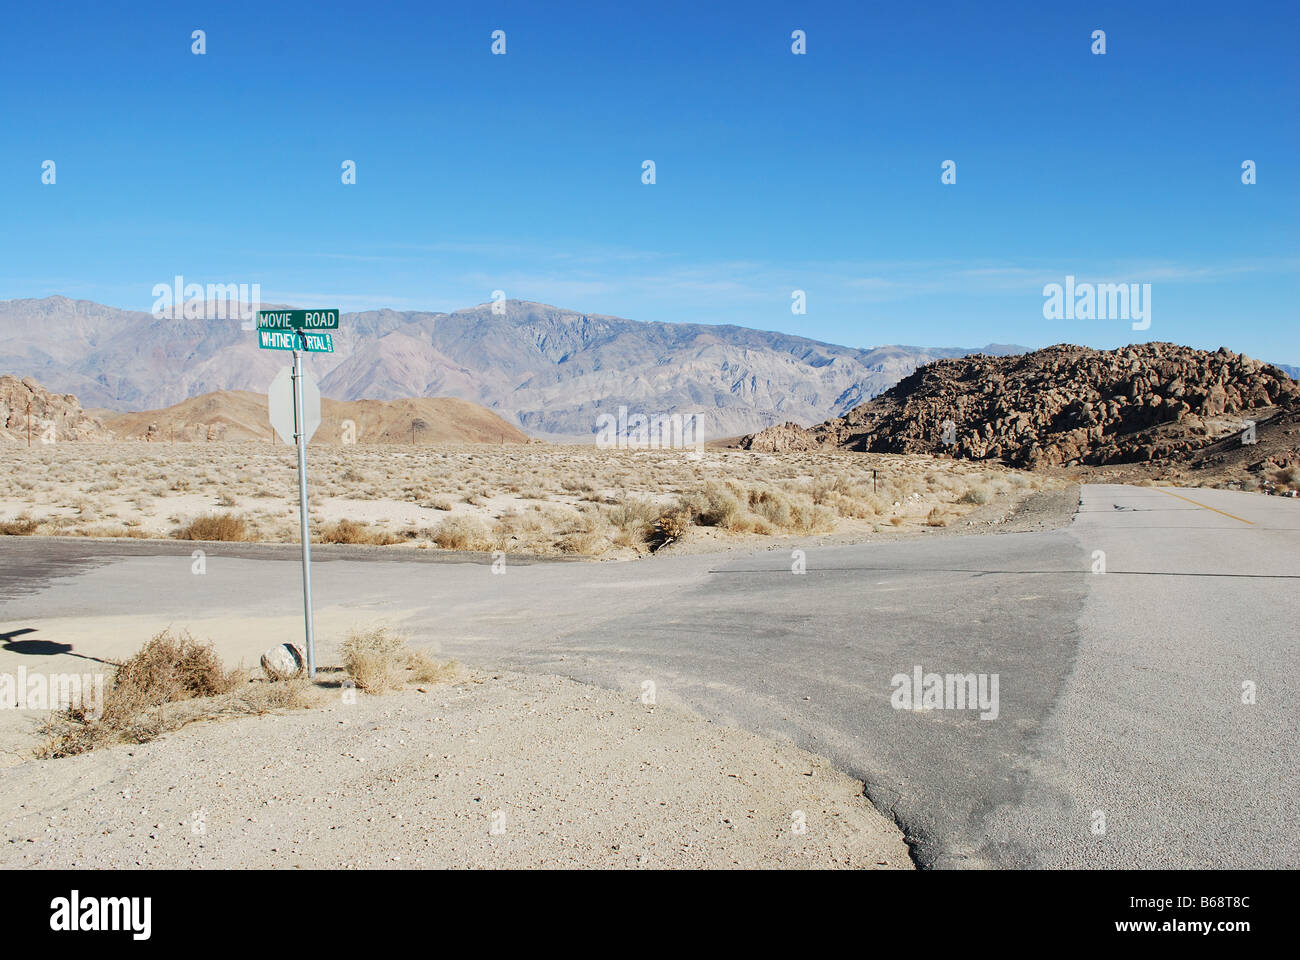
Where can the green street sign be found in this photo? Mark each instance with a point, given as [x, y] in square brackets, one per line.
[297, 319]
[295, 340]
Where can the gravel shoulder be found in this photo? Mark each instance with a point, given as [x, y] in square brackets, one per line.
[495, 770]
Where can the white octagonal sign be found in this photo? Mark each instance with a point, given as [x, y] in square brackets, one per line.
[280, 404]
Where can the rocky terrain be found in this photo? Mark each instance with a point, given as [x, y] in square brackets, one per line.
[53, 416]
[552, 372]
[1064, 406]
[1270, 465]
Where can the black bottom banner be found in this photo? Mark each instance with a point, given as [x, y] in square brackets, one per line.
[362, 909]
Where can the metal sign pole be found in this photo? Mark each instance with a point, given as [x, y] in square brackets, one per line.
[300, 437]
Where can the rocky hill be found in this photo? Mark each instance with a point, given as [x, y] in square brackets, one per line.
[1061, 406]
[550, 371]
[53, 416]
[242, 415]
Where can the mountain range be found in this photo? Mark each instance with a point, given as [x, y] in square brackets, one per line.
[548, 370]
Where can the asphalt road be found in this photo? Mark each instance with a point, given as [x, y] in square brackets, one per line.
[1119, 736]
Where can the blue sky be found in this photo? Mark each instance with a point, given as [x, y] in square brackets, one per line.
[774, 172]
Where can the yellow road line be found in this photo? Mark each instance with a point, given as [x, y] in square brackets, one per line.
[1195, 503]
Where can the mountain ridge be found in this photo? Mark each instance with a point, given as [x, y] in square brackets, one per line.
[242, 415]
[550, 371]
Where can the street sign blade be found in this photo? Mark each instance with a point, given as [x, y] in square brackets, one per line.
[276, 339]
[318, 319]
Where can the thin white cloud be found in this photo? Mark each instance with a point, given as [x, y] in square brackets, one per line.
[606, 280]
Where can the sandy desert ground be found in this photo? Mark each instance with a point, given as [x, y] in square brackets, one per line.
[526, 499]
[488, 770]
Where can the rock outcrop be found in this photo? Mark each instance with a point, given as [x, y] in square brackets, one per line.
[54, 416]
[1061, 406]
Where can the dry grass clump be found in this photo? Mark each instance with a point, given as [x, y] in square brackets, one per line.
[374, 659]
[634, 521]
[718, 505]
[811, 518]
[584, 531]
[670, 527]
[349, 531]
[216, 526]
[380, 660]
[760, 509]
[172, 681]
[463, 532]
[979, 494]
[936, 518]
[170, 668]
[773, 506]
[424, 669]
[1288, 477]
[525, 531]
[584, 543]
[111, 532]
[20, 526]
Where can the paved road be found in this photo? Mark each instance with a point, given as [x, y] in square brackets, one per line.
[1119, 696]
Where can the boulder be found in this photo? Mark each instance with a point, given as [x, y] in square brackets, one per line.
[283, 662]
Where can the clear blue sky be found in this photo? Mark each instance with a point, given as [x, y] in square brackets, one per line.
[774, 172]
